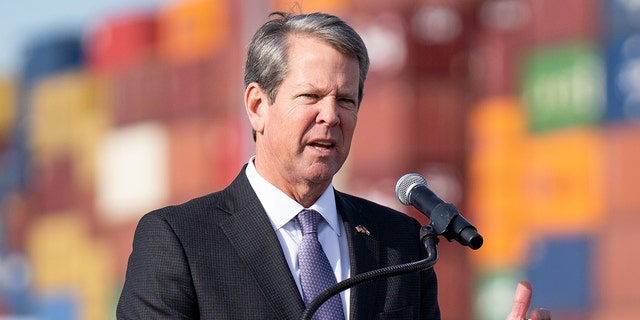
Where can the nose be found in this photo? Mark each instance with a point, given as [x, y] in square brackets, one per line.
[328, 112]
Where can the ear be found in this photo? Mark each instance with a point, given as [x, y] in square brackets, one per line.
[256, 103]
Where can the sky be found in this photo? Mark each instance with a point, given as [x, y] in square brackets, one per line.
[22, 20]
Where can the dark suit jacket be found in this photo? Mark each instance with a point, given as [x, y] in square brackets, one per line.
[217, 257]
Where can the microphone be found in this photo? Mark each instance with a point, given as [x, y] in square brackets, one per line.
[446, 220]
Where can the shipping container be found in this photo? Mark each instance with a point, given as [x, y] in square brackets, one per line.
[211, 87]
[455, 279]
[562, 86]
[562, 274]
[623, 80]
[496, 150]
[438, 37]
[438, 120]
[494, 292]
[562, 21]
[191, 157]
[192, 30]
[616, 263]
[133, 172]
[496, 47]
[619, 19]
[67, 260]
[337, 7]
[138, 93]
[120, 41]
[8, 107]
[382, 144]
[66, 110]
[55, 187]
[563, 181]
[622, 155]
[51, 53]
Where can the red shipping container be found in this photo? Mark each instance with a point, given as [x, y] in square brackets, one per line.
[438, 35]
[616, 265]
[438, 122]
[622, 156]
[494, 61]
[121, 41]
[454, 278]
[210, 87]
[138, 93]
[554, 21]
[54, 187]
[15, 221]
[205, 155]
[382, 145]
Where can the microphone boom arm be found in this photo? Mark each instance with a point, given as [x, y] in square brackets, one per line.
[429, 239]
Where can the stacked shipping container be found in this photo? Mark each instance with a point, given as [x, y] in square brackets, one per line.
[523, 113]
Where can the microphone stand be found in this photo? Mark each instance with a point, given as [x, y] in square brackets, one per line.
[429, 239]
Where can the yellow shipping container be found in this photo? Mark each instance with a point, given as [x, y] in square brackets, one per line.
[7, 105]
[65, 257]
[69, 116]
[193, 29]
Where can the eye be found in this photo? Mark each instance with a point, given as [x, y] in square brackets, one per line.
[308, 97]
[347, 103]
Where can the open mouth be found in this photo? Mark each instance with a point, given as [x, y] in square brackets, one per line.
[322, 145]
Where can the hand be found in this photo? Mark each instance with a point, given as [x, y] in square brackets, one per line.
[521, 303]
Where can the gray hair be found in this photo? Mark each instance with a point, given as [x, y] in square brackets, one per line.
[268, 51]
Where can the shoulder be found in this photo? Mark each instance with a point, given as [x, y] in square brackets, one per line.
[361, 209]
[371, 206]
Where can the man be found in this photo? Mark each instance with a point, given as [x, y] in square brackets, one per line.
[233, 254]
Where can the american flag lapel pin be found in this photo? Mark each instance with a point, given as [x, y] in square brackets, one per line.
[362, 229]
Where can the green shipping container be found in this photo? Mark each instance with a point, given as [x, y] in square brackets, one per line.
[563, 86]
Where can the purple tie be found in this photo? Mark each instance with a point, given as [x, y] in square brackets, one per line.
[315, 271]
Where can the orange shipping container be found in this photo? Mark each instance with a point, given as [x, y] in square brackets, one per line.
[497, 133]
[192, 29]
[331, 6]
[563, 182]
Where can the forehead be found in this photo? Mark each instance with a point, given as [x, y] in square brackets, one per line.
[312, 56]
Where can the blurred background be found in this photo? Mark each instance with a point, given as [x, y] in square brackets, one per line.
[523, 113]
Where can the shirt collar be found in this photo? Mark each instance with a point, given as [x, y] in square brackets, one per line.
[281, 208]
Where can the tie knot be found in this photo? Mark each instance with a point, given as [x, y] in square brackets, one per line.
[309, 220]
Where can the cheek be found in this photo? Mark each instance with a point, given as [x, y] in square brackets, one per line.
[349, 125]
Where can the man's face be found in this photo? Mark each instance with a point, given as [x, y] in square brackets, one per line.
[305, 135]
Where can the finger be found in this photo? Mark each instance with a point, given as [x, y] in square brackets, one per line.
[540, 314]
[521, 301]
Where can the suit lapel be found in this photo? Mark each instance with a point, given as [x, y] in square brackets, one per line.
[249, 230]
[364, 252]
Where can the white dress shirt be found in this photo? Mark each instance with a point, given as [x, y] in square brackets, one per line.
[282, 211]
